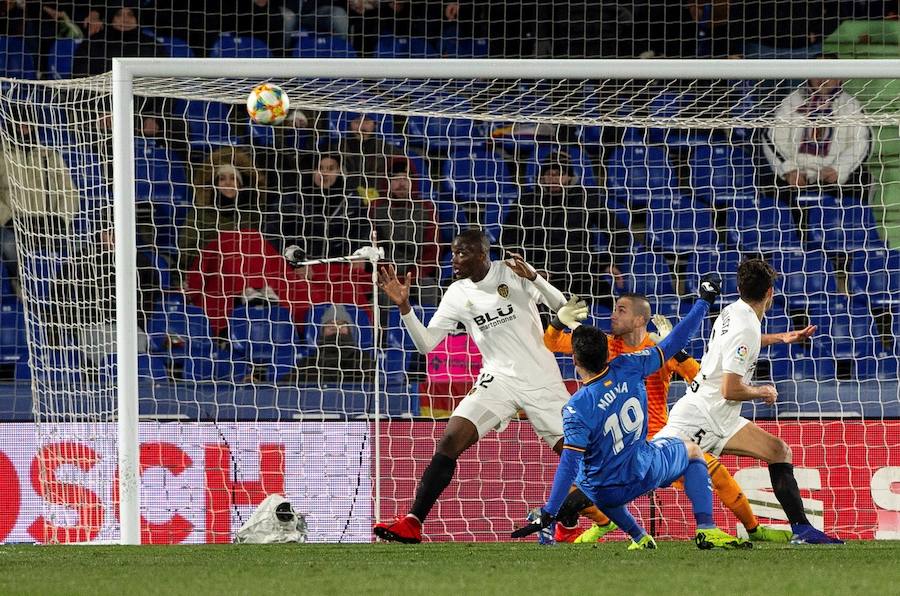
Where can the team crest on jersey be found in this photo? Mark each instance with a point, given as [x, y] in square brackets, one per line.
[503, 290]
[741, 353]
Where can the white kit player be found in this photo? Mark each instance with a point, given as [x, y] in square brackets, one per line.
[710, 413]
[497, 303]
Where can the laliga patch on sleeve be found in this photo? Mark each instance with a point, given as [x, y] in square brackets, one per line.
[740, 355]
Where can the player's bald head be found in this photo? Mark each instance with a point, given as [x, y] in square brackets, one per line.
[475, 239]
[639, 304]
[590, 349]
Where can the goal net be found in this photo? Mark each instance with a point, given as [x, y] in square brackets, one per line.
[260, 360]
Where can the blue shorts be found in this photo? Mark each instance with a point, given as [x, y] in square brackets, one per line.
[668, 460]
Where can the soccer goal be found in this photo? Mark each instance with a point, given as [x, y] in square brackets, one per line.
[201, 334]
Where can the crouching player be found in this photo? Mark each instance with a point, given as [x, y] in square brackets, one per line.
[605, 445]
[629, 334]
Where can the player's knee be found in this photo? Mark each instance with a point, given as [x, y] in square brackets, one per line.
[693, 450]
[781, 452]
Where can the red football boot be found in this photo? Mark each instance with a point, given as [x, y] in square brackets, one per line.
[406, 529]
[564, 534]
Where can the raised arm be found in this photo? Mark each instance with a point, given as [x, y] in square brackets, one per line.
[688, 326]
[553, 298]
[397, 290]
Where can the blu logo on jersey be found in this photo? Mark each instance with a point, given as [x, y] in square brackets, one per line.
[486, 318]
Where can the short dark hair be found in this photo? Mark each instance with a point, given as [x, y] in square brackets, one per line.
[589, 345]
[754, 278]
[475, 236]
[638, 297]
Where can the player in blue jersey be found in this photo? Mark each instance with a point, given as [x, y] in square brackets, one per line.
[605, 448]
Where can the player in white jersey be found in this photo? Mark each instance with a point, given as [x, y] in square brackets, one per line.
[497, 303]
[710, 413]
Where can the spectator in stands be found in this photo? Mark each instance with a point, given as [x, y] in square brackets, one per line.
[326, 219]
[294, 148]
[821, 158]
[88, 290]
[365, 155]
[36, 187]
[122, 37]
[554, 228]
[223, 249]
[338, 357]
[229, 195]
[407, 229]
[791, 30]
[262, 19]
[683, 30]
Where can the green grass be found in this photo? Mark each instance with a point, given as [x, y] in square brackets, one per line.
[458, 569]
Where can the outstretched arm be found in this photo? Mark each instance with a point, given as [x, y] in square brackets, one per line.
[788, 337]
[424, 338]
[688, 326]
[553, 298]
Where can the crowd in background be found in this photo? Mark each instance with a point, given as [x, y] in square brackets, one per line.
[325, 188]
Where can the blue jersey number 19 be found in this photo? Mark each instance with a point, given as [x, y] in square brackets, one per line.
[629, 420]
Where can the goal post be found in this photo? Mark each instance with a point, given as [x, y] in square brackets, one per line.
[227, 429]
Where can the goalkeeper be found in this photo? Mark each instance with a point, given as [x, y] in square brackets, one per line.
[629, 334]
[605, 444]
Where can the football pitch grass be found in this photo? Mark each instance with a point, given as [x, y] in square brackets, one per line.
[458, 569]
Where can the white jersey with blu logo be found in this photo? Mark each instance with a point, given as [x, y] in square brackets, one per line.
[500, 314]
[733, 347]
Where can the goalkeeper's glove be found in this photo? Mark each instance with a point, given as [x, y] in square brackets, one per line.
[540, 522]
[710, 288]
[663, 328]
[570, 314]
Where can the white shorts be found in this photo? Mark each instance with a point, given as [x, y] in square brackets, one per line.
[492, 403]
[692, 422]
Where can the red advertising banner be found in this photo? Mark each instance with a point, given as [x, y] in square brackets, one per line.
[199, 481]
[848, 472]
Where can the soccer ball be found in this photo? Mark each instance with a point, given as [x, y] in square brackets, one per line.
[268, 104]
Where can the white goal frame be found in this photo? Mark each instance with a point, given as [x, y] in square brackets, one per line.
[125, 70]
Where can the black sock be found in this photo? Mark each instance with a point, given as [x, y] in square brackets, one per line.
[568, 512]
[434, 480]
[787, 492]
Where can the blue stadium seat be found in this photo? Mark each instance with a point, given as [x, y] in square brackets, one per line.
[637, 173]
[61, 58]
[582, 167]
[421, 176]
[182, 333]
[312, 45]
[390, 46]
[208, 122]
[359, 316]
[839, 224]
[339, 124]
[875, 275]
[478, 182]
[649, 274]
[159, 177]
[762, 224]
[719, 173]
[18, 60]
[13, 339]
[230, 46]
[438, 133]
[846, 341]
[805, 278]
[163, 270]
[264, 336]
[175, 46]
[456, 47]
[674, 224]
[400, 350]
[723, 262]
